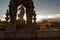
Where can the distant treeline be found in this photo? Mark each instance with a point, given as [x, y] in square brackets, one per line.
[2, 25]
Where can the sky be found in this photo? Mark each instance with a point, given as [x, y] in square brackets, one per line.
[43, 8]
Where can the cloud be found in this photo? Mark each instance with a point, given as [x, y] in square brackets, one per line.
[43, 14]
[2, 17]
[47, 12]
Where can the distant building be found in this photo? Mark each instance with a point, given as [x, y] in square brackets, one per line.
[49, 24]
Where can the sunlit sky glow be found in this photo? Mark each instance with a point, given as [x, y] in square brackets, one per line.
[43, 8]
